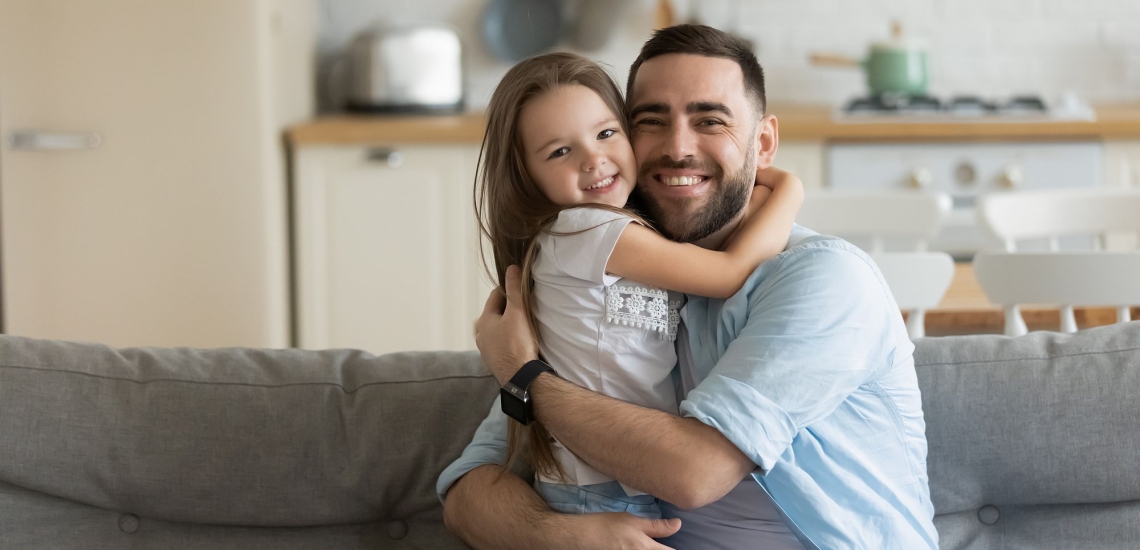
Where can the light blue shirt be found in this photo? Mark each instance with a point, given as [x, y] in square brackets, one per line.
[808, 370]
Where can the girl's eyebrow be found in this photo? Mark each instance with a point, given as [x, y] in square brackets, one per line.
[547, 144]
[606, 121]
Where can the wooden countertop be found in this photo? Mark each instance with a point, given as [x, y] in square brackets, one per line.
[797, 123]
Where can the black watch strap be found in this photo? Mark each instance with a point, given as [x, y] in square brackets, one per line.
[515, 396]
[529, 372]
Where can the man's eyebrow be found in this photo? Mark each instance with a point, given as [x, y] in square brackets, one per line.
[706, 107]
[655, 108]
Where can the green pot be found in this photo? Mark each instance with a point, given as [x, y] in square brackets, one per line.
[892, 69]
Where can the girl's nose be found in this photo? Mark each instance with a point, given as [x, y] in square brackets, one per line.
[593, 161]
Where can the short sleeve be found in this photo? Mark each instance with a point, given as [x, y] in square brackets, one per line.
[581, 240]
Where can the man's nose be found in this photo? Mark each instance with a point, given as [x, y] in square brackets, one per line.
[681, 142]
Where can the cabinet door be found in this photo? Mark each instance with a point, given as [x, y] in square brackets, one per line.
[385, 242]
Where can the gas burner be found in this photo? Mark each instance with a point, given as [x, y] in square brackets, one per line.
[894, 103]
[962, 106]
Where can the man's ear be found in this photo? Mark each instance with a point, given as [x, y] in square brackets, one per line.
[767, 140]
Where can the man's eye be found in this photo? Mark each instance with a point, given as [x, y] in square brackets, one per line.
[711, 122]
[648, 122]
[559, 152]
[607, 133]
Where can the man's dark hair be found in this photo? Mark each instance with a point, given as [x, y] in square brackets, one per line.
[706, 41]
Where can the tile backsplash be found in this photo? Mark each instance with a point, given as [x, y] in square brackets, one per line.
[984, 47]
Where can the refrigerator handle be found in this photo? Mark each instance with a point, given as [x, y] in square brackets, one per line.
[33, 140]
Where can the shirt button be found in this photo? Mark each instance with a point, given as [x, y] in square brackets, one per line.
[988, 514]
[397, 529]
[129, 523]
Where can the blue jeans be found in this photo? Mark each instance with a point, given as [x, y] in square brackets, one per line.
[601, 497]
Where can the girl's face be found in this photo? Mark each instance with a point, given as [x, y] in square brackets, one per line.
[575, 149]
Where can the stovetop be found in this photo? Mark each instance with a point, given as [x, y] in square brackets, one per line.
[962, 108]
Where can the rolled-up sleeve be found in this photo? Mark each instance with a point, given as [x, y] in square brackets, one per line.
[489, 446]
[815, 329]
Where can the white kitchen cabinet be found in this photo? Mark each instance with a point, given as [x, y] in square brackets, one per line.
[804, 159]
[385, 240]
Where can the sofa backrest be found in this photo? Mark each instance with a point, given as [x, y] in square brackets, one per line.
[1033, 441]
[229, 448]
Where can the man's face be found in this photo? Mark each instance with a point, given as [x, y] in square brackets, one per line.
[695, 135]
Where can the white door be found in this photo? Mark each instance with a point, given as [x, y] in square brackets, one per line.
[386, 257]
[173, 230]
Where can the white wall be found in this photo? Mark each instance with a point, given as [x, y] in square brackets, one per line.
[987, 47]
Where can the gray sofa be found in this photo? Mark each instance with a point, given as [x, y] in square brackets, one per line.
[1034, 443]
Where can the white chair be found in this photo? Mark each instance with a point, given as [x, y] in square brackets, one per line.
[1096, 278]
[917, 279]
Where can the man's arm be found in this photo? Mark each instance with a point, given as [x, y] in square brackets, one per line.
[490, 511]
[814, 338]
[680, 460]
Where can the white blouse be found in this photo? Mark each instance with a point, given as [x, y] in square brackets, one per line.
[602, 332]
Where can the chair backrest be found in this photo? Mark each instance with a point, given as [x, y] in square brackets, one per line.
[917, 279]
[875, 214]
[1018, 215]
[1059, 278]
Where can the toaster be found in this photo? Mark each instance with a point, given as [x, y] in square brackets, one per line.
[407, 69]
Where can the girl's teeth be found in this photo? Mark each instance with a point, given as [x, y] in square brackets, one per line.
[678, 181]
[602, 183]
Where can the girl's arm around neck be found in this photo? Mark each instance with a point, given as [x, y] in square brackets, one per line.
[647, 257]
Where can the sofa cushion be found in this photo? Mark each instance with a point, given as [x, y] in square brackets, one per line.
[230, 437]
[1032, 439]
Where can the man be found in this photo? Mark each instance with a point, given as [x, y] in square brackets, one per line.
[801, 424]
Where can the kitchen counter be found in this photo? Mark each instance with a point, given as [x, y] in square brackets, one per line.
[797, 123]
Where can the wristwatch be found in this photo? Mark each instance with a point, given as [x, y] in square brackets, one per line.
[515, 395]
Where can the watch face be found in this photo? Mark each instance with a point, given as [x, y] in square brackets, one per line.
[513, 406]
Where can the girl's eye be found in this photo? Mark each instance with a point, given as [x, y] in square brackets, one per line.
[559, 152]
[607, 133]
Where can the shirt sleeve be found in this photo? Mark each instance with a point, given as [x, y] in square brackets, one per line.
[582, 240]
[489, 446]
[815, 330]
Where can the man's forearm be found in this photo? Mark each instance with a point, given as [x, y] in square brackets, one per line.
[487, 511]
[677, 459]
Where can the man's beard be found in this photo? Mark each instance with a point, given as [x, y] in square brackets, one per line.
[727, 202]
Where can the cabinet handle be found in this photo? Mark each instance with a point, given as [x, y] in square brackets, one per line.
[33, 140]
[384, 155]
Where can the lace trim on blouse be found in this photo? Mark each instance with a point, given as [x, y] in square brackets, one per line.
[642, 307]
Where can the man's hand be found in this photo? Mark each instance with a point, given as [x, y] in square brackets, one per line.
[619, 530]
[503, 333]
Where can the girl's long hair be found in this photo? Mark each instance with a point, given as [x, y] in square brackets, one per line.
[511, 208]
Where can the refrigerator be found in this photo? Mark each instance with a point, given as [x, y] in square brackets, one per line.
[143, 180]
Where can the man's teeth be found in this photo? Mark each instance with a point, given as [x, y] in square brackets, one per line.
[602, 183]
[680, 181]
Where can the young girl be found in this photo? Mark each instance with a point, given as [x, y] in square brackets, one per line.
[557, 168]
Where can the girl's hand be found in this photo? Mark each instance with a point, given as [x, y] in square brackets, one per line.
[771, 177]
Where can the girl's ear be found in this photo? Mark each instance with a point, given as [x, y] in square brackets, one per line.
[767, 140]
